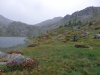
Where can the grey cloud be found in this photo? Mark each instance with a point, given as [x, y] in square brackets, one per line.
[35, 11]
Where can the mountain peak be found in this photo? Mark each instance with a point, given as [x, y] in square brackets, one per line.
[4, 20]
[57, 17]
[50, 21]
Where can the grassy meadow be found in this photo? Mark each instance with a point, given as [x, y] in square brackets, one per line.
[56, 57]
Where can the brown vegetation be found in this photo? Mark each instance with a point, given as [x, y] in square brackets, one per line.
[33, 45]
[82, 46]
[16, 52]
[3, 60]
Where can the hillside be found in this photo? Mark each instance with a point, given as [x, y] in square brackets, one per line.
[50, 21]
[57, 53]
[86, 15]
[13, 28]
[4, 20]
[22, 29]
[77, 19]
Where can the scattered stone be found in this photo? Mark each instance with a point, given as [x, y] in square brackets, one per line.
[3, 55]
[18, 58]
[97, 36]
[45, 36]
[67, 33]
[3, 63]
[85, 34]
[60, 35]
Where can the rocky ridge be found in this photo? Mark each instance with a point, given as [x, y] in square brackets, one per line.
[12, 28]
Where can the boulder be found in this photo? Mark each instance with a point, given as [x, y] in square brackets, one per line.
[3, 55]
[97, 36]
[85, 34]
[13, 58]
[3, 63]
[17, 58]
[60, 35]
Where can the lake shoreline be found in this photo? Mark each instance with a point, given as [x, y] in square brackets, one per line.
[18, 46]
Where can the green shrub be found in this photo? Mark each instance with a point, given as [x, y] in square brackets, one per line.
[90, 23]
[60, 26]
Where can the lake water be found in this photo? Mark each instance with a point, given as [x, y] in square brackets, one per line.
[7, 42]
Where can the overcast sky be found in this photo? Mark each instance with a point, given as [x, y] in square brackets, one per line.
[35, 11]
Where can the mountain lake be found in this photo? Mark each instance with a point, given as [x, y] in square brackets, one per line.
[13, 43]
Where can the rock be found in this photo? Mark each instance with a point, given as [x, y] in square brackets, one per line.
[18, 58]
[44, 38]
[97, 36]
[60, 35]
[3, 55]
[83, 35]
[87, 33]
[3, 63]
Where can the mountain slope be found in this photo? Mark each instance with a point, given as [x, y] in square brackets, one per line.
[22, 29]
[10, 28]
[87, 14]
[4, 20]
[50, 21]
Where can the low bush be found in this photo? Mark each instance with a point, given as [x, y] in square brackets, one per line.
[29, 65]
[15, 52]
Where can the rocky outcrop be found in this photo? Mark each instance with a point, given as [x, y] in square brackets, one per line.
[17, 58]
[97, 36]
[3, 55]
[86, 15]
